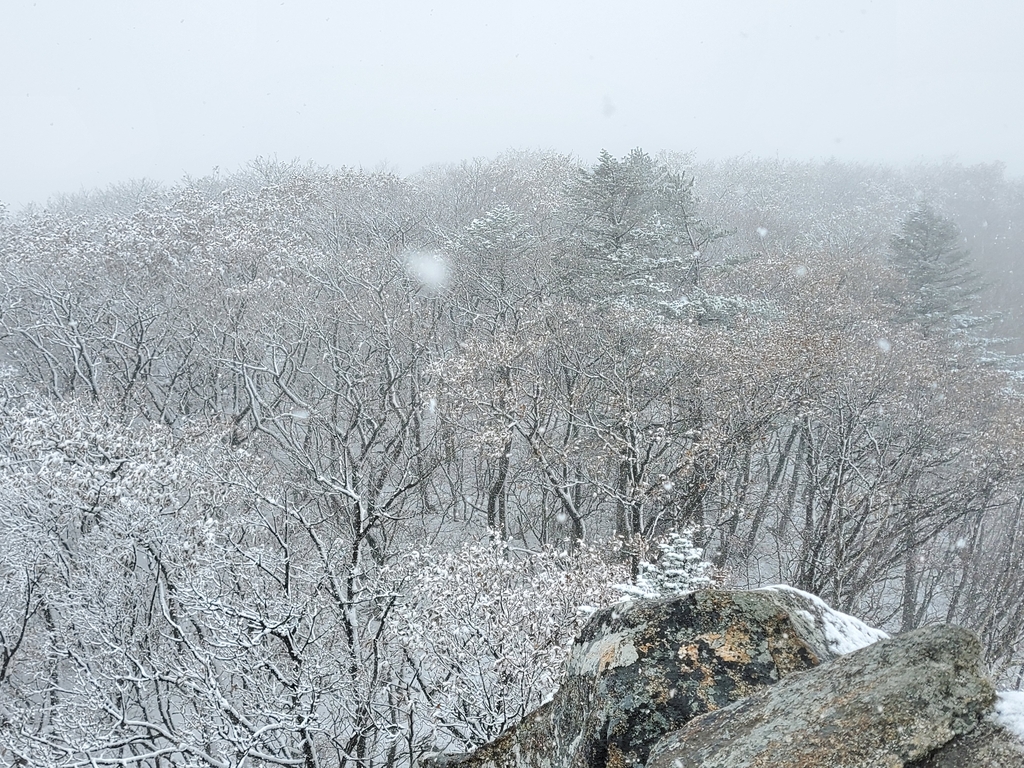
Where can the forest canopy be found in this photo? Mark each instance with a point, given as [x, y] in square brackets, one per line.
[305, 466]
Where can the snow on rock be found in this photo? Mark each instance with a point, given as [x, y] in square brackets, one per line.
[841, 632]
[1009, 712]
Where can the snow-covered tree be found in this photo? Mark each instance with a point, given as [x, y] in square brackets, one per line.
[635, 227]
[940, 281]
[485, 628]
[676, 567]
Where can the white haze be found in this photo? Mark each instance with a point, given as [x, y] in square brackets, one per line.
[96, 93]
[428, 270]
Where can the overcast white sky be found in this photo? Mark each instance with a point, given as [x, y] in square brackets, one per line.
[99, 91]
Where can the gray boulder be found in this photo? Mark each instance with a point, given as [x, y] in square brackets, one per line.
[987, 746]
[885, 706]
[642, 669]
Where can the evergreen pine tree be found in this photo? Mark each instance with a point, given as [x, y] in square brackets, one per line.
[679, 568]
[940, 282]
[635, 228]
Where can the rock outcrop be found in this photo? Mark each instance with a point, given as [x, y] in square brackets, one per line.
[987, 746]
[772, 677]
[884, 706]
[642, 669]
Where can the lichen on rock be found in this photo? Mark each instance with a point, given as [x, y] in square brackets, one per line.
[771, 677]
[643, 668]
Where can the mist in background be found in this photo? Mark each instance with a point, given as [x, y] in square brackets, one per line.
[103, 92]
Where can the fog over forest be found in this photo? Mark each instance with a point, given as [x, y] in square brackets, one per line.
[326, 461]
[316, 466]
